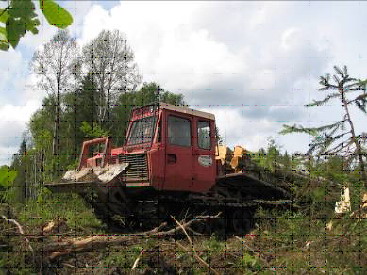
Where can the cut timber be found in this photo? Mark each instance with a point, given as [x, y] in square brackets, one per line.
[364, 201]
[237, 159]
[53, 226]
[343, 206]
[223, 153]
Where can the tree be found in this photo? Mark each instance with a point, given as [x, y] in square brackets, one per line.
[340, 137]
[20, 17]
[7, 177]
[80, 106]
[18, 164]
[56, 65]
[111, 62]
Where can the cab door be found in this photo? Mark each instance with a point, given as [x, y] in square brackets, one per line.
[204, 155]
[178, 163]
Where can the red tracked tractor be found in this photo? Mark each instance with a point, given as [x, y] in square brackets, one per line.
[171, 164]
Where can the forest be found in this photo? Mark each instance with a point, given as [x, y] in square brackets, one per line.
[90, 92]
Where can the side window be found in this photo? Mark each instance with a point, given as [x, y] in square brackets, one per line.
[204, 135]
[179, 131]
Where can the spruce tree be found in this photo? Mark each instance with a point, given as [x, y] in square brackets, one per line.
[340, 137]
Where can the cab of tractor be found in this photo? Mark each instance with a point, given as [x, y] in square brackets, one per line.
[170, 148]
[167, 147]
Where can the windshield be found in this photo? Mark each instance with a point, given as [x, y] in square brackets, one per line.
[142, 131]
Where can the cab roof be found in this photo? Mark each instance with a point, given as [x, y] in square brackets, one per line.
[186, 110]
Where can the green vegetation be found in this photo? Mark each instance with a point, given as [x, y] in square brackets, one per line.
[80, 104]
[340, 137]
[69, 115]
[20, 17]
[91, 99]
[7, 178]
[79, 216]
[287, 241]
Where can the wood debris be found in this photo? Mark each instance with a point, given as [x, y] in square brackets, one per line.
[90, 243]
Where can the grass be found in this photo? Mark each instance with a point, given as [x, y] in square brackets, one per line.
[283, 242]
[78, 215]
[15, 257]
[300, 244]
[123, 259]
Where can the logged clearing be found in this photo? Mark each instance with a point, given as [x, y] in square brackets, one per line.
[55, 237]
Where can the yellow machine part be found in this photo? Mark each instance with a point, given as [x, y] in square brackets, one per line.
[237, 159]
[231, 160]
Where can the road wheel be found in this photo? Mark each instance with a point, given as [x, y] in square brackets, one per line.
[200, 227]
[220, 227]
[241, 221]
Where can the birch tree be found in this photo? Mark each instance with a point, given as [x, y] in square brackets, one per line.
[111, 62]
[56, 67]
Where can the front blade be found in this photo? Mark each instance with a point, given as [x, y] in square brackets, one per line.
[80, 181]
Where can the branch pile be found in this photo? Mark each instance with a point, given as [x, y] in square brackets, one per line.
[90, 243]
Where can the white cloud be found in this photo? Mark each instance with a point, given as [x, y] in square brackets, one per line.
[13, 124]
[18, 113]
[185, 47]
[256, 64]
[11, 69]
[6, 153]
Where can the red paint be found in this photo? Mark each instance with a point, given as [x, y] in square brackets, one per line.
[170, 166]
[100, 159]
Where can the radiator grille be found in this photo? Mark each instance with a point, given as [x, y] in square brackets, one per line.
[137, 168]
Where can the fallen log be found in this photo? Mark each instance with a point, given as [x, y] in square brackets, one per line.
[58, 249]
[53, 226]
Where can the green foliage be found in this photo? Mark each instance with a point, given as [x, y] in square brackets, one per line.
[213, 244]
[123, 259]
[92, 131]
[325, 100]
[250, 261]
[80, 115]
[48, 206]
[313, 131]
[4, 15]
[55, 14]
[7, 176]
[320, 180]
[269, 158]
[272, 159]
[211, 247]
[340, 137]
[299, 242]
[20, 17]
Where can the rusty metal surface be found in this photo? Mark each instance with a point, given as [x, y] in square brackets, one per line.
[80, 181]
[70, 187]
[97, 174]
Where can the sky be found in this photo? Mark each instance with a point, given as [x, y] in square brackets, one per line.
[253, 64]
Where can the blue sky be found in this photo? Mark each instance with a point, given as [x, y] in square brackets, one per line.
[253, 64]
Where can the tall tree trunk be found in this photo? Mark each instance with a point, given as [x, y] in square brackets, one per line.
[354, 138]
[55, 132]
